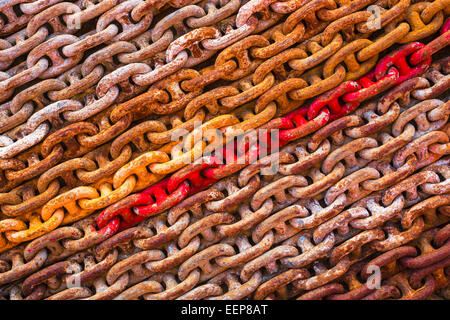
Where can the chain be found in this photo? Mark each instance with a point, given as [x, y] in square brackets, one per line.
[101, 195]
[93, 94]
[53, 96]
[362, 199]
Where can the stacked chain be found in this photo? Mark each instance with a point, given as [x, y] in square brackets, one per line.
[111, 187]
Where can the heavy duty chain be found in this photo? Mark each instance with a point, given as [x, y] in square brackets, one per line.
[103, 99]
[318, 222]
[107, 192]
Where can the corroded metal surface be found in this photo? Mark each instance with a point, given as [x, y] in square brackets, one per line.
[100, 201]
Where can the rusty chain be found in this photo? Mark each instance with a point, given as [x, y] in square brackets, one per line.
[103, 193]
[370, 182]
